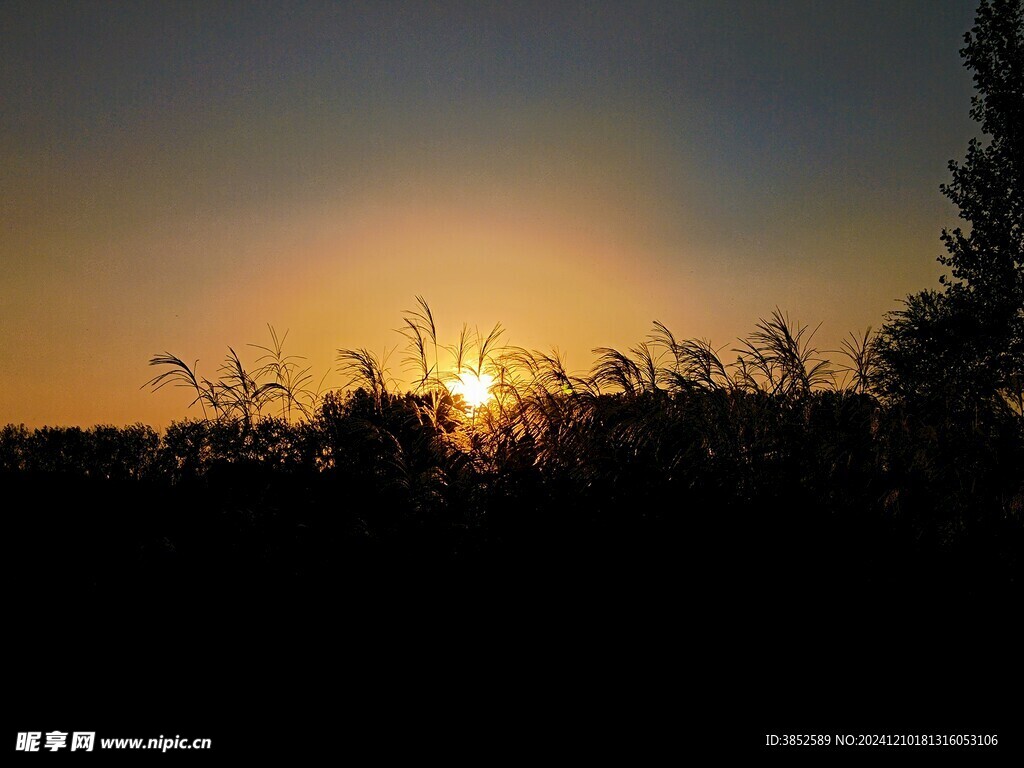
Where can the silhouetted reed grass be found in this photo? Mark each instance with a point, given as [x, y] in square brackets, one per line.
[779, 457]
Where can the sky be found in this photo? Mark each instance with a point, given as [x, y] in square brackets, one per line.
[176, 177]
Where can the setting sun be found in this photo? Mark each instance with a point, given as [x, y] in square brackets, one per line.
[475, 390]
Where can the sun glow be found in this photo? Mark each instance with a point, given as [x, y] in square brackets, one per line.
[475, 390]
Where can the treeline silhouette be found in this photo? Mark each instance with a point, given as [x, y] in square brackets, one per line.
[780, 473]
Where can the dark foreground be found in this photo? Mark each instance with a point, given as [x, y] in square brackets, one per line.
[285, 636]
[641, 578]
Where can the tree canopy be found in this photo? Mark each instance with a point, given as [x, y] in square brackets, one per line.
[964, 344]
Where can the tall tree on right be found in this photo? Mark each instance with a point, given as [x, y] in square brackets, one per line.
[963, 345]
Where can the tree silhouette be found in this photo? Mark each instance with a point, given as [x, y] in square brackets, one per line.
[964, 345]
